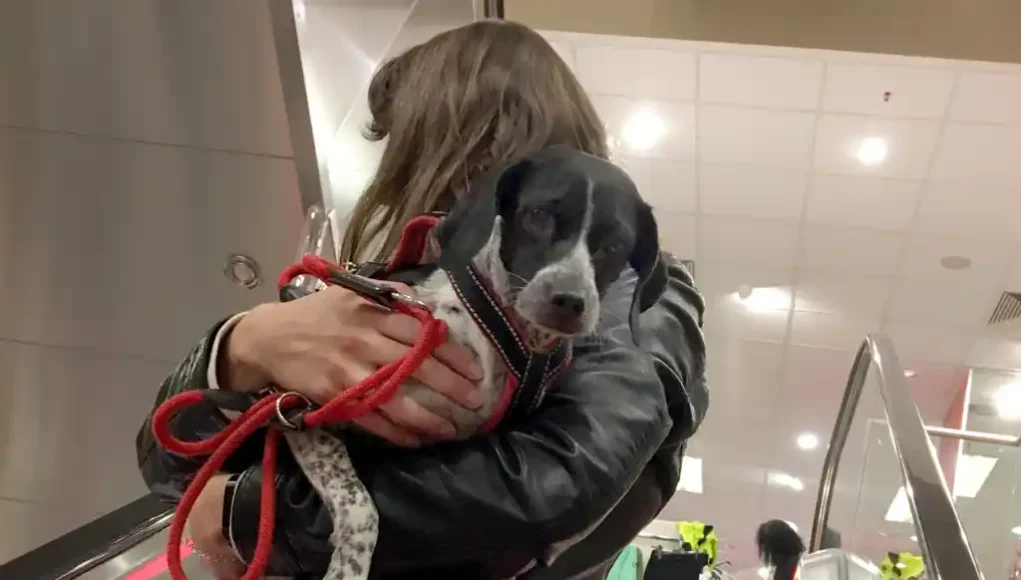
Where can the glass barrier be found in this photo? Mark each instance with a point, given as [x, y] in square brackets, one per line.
[882, 490]
[985, 490]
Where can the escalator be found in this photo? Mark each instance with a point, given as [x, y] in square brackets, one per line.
[879, 446]
[880, 450]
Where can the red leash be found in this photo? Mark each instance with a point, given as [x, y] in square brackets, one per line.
[350, 404]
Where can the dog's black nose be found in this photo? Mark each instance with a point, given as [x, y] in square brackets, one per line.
[568, 304]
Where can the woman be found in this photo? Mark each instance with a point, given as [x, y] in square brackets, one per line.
[601, 455]
[781, 548]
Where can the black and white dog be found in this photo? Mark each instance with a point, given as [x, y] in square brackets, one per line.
[547, 235]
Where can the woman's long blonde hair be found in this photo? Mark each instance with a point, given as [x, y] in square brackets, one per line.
[467, 99]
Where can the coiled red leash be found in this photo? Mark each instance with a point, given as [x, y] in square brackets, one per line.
[271, 411]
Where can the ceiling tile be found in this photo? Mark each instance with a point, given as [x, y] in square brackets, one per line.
[636, 72]
[835, 331]
[1014, 277]
[732, 79]
[768, 243]
[922, 301]
[745, 375]
[990, 258]
[842, 140]
[751, 191]
[928, 341]
[987, 98]
[850, 294]
[721, 280]
[812, 370]
[566, 52]
[676, 234]
[969, 210]
[647, 128]
[816, 374]
[851, 250]
[665, 185]
[871, 202]
[912, 91]
[754, 137]
[730, 318]
[983, 153]
[997, 353]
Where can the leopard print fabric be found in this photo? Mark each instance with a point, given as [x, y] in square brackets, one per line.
[327, 465]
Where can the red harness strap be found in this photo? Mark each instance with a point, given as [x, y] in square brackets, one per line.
[350, 404]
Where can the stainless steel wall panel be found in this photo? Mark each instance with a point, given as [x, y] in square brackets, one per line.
[119, 246]
[27, 525]
[200, 73]
[67, 426]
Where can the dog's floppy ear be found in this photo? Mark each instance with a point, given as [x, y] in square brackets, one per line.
[648, 264]
[469, 225]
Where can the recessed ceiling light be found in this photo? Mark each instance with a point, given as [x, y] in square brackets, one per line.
[909, 373]
[808, 441]
[872, 151]
[1016, 531]
[914, 538]
[900, 509]
[781, 479]
[643, 130]
[1008, 401]
[763, 299]
[691, 475]
[955, 262]
[971, 474]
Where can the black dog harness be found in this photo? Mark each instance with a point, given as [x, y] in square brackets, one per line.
[529, 372]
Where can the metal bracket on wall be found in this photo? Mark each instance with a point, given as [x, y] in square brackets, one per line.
[243, 270]
[488, 9]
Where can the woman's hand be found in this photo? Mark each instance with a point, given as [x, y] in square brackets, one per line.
[329, 341]
[206, 528]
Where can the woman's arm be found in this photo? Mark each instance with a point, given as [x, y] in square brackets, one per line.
[531, 484]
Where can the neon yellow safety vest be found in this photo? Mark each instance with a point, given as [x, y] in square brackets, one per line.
[902, 566]
[699, 537]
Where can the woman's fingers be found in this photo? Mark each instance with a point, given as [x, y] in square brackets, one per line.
[460, 360]
[431, 373]
[406, 330]
[384, 428]
[404, 411]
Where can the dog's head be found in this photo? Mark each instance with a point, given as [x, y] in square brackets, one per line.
[553, 231]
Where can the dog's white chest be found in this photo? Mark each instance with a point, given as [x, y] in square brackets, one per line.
[325, 461]
[439, 294]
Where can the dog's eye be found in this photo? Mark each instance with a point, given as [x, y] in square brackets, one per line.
[608, 250]
[538, 222]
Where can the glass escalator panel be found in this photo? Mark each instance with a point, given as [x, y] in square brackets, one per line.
[883, 491]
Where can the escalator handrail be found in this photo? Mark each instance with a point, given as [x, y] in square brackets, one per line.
[945, 547]
[92, 544]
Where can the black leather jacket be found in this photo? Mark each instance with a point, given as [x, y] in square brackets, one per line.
[482, 507]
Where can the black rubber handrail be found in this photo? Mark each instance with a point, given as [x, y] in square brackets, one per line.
[89, 546]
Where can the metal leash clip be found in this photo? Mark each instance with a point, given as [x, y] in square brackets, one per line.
[378, 292]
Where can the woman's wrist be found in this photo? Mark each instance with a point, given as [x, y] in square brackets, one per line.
[237, 366]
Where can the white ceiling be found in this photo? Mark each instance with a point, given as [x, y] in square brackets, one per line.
[756, 177]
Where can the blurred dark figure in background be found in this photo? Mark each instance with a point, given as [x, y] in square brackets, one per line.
[781, 548]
